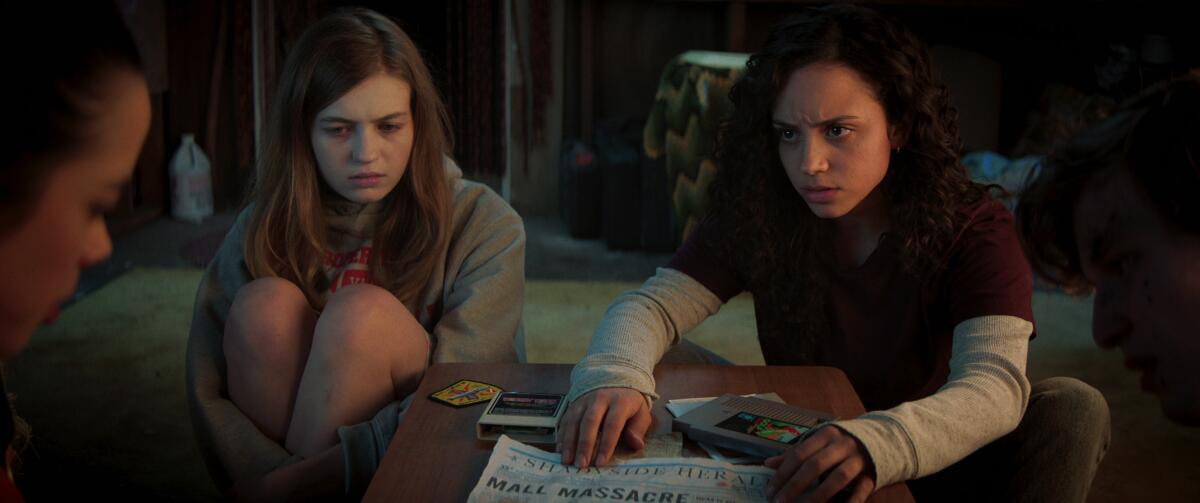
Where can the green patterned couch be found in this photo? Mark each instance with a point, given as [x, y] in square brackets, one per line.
[691, 102]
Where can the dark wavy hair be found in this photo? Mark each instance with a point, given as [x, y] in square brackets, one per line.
[1155, 136]
[773, 234]
[57, 53]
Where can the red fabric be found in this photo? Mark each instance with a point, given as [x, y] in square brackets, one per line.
[892, 331]
[8, 491]
[349, 268]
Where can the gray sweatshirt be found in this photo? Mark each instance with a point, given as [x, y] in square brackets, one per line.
[480, 290]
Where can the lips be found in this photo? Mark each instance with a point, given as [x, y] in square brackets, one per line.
[1146, 365]
[366, 180]
[819, 194]
[51, 316]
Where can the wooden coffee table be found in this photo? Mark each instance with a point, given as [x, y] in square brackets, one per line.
[435, 456]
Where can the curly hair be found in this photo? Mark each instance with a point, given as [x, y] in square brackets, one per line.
[773, 233]
[1155, 136]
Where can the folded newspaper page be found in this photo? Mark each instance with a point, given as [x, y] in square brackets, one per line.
[517, 473]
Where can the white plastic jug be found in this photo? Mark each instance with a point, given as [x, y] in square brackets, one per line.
[191, 182]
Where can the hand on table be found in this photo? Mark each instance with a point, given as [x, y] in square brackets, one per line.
[830, 451]
[597, 420]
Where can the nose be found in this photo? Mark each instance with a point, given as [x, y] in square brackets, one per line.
[1110, 321]
[97, 246]
[812, 158]
[366, 147]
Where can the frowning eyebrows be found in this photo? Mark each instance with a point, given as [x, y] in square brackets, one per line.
[817, 124]
[342, 120]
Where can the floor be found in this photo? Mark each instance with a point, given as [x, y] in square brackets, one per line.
[164, 242]
[574, 281]
[71, 444]
[550, 253]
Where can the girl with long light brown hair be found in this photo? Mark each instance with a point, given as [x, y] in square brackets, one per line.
[362, 257]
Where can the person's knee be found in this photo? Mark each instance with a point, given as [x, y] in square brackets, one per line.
[362, 320]
[1071, 394]
[267, 315]
[362, 302]
[1078, 410]
[357, 314]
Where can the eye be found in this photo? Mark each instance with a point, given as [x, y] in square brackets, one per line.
[1128, 262]
[786, 135]
[1122, 263]
[390, 127]
[837, 131]
[336, 130]
[98, 210]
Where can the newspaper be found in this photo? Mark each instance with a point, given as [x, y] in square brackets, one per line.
[664, 445]
[517, 473]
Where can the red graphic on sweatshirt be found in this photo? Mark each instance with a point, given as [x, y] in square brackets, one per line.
[349, 268]
[339, 260]
[349, 277]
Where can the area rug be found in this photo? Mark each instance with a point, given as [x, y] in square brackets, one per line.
[104, 388]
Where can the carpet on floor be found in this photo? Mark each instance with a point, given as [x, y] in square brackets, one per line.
[104, 387]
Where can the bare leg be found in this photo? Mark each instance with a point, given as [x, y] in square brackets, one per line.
[317, 478]
[267, 339]
[367, 350]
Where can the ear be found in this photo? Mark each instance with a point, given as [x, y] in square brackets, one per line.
[897, 136]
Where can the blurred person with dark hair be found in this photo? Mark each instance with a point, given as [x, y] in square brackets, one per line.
[1116, 212]
[79, 110]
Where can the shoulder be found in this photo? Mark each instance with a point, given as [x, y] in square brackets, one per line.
[479, 216]
[701, 257]
[232, 246]
[700, 246]
[475, 205]
[985, 220]
[987, 208]
[986, 268]
[234, 243]
[478, 200]
[244, 217]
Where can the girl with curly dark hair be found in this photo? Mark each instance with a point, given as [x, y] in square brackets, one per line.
[843, 208]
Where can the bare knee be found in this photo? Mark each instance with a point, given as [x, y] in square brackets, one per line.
[268, 316]
[362, 302]
[365, 321]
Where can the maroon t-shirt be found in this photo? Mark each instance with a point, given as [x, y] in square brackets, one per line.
[891, 331]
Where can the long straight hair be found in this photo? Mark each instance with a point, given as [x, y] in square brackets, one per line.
[287, 232]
